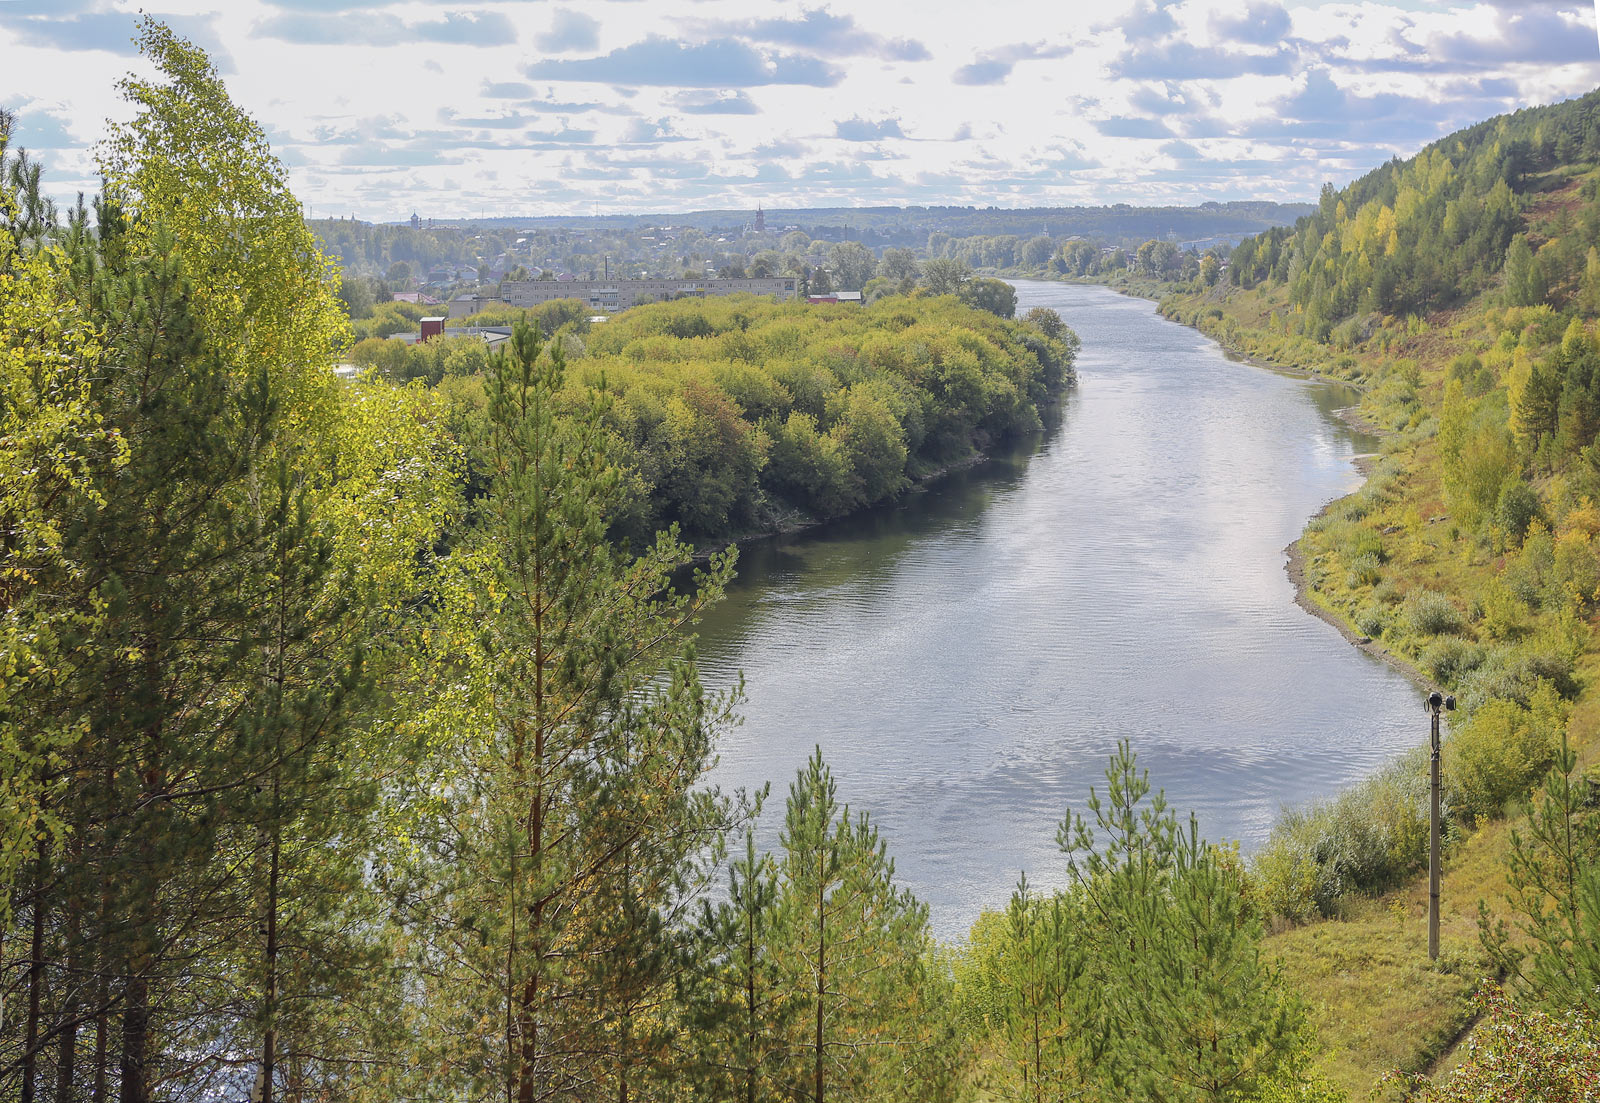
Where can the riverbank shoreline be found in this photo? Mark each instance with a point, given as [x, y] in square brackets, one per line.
[795, 523]
[1365, 465]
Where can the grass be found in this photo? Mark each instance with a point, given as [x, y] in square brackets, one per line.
[1377, 1001]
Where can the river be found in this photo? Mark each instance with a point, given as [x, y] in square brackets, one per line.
[968, 658]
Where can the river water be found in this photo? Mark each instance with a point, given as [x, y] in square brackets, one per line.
[968, 658]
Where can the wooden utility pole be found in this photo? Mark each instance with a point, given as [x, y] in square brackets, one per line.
[1435, 701]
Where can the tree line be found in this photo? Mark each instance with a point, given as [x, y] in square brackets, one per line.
[741, 414]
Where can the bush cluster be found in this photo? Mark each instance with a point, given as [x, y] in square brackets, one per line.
[734, 412]
[1368, 839]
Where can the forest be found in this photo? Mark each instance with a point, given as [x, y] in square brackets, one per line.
[745, 415]
[1460, 290]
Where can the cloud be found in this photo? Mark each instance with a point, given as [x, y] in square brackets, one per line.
[563, 107]
[111, 31]
[645, 132]
[860, 130]
[468, 29]
[401, 155]
[995, 66]
[672, 168]
[1133, 127]
[570, 31]
[1171, 100]
[720, 63]
[507, 90]
[455, 29]
[1183, 61]
[449, 117]
[1147, 21]
[821, 32]
[1523, 33]
[714, 103]
[983, 72]
[786, 149]
[55, 8]
[41, 128]
[1321, 109]
[328, 5]
[1258, 25]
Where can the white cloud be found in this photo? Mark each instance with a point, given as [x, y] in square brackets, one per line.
[674, 104]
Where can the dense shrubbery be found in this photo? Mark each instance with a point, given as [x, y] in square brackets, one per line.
[734, 412]
[1369, 838]
[1517, 1054]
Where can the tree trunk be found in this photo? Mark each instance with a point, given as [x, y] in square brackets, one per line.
[822, 975]
[67, 1055]
[102, 1041]
[30, 1044]
[752, 1034]
[102, 992]
[269, 1041]
[135, 1040]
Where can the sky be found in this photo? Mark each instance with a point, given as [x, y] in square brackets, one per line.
[547, 107]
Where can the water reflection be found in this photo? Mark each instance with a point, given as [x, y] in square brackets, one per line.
[968, 658]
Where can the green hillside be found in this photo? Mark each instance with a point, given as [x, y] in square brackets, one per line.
[1460, 290]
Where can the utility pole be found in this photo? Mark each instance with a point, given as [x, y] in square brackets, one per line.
[1435, 701]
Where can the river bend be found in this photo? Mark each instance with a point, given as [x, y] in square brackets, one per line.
[969, 657]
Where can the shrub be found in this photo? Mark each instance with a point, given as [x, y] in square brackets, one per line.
[1515, 1054]
[1517, 507]
[1429, 613]
[1363, 571]
[1358, 541]
[1496, 754]
[1370, 621]
[1386, 593]
[1368, 839]
[1507, 674]
[1577, 567]
[1452, 658]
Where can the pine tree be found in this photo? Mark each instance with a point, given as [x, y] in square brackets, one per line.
[737, 1016]
[51, 444]
[572, 738]
[1554, 889]
[214, 597]
[1044, 977]
[1177, 1006]
[850, 947]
